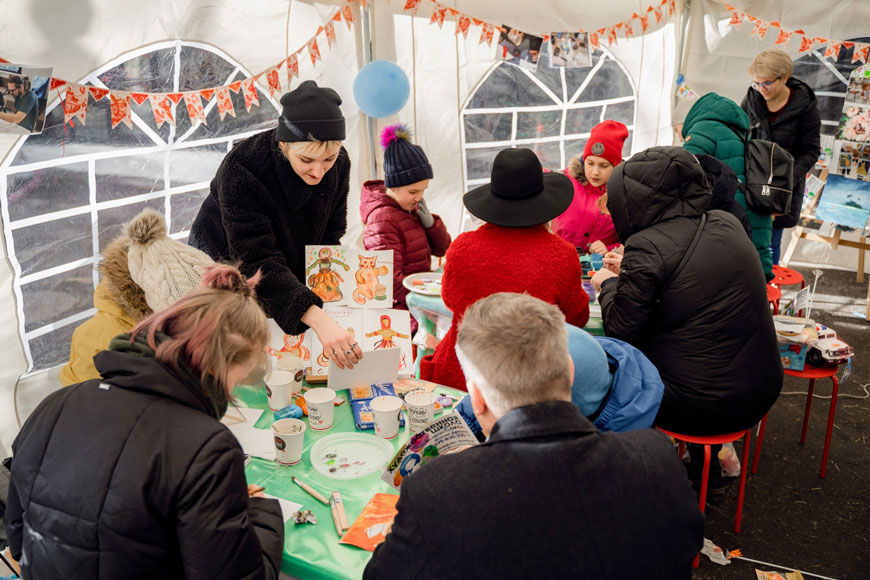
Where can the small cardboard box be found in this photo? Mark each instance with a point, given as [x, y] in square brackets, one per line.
[793, 355]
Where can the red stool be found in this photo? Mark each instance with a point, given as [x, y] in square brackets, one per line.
[707, 441]
[787, 277]
[811, 373]
[773, 296]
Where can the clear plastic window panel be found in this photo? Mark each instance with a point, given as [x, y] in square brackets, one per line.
[55, 243]
[121, 177]
[52, 348]
[185, 207]
[480, 162]
[550, 154]
[201, 69]
[195, 164]
[574, 77]
[539, 124]
[486, 128]
[508, 86]
[550, 77]
[622, 112]
[574, 148]
[609, 82]
[582, 120]
[34, 193]
[57, 297]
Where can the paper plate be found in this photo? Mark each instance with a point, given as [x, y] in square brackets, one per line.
[350, 455]
[431, 283]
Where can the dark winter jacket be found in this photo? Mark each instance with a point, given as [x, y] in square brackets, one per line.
[546, 496]
[261, 213]
[709, 331]
[724, 184]
[389, 227]
[711, 127]
[797, 130]
[134, 477]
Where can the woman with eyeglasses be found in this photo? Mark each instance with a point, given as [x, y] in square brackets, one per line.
[783, 109]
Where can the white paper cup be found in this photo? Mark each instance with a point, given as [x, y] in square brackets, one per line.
[289, 438]
[386, 411]
[320, 408]
[296, 367]
[278, 387]
[421, 409]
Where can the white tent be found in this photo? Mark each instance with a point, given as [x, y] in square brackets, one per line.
[65, 193]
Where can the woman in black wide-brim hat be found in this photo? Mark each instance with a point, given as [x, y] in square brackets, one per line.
[513, 251]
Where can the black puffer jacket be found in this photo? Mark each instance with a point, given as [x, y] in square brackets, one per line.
[134, 477]
[711, 334]
[261, 213]
[797, 130]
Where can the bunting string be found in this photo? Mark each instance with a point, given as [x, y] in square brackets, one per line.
[808, 42]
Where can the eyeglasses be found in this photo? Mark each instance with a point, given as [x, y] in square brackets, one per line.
[762, 85]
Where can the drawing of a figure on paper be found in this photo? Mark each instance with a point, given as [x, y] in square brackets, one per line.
[387, 335]
[325, 282]
[323, 358]
[293, 347]
[368, 286]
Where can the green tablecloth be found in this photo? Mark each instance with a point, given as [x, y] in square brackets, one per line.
[312, 552]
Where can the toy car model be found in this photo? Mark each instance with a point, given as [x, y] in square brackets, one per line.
[829, 350]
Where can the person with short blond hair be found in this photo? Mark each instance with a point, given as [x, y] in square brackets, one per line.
[275, 193]
[132, 475]
[784, 110]
[571, 501]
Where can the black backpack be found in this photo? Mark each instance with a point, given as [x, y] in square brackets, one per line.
[769, 175]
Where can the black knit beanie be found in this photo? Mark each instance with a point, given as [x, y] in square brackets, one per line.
[310, 113]
[404, 162]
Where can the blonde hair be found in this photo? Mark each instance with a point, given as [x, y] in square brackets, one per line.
[771, 64]
[216, 326]
[311, 148]
[514, 347]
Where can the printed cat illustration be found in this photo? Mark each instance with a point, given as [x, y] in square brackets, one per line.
[367, 278]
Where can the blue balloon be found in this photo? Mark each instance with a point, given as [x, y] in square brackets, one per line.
[381, 89]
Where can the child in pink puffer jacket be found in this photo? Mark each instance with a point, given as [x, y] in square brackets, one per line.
[586, 223]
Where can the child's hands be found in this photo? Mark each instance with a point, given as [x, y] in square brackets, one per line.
[424, 214]
[613, 262]
[597, 247]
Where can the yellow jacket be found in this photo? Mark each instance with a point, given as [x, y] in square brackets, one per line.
[94, 335]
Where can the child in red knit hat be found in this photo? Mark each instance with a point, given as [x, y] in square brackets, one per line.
[395, 215]
[586, 223]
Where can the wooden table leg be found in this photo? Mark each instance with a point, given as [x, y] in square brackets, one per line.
[861, 262]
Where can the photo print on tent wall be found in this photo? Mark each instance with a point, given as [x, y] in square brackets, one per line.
[23, 96]
[570, 50]
[519, 48]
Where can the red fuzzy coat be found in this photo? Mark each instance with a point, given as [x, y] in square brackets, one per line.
[497, 259]
[389, 227]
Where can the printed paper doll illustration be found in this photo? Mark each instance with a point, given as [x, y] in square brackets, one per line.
[293, 347]
[386, 335]
[326, 282]
[389, 329]
[368, 285]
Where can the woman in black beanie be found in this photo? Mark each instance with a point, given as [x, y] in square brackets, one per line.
[275, 193]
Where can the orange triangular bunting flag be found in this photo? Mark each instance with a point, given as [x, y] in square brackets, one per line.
[225, 102]
[139, 97]
[120, 109]
[98, 93]
[176, 97]
[55, 83]
[236, 86]
[347, 12]
[206, 94]
[75, 104]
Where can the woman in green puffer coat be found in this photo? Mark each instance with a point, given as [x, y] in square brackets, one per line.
[715, 126]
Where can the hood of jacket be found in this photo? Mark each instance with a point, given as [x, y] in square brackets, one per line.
[802, 100]
[723, 181]
[713, 107]
[119, 284]
[656, 185]
[131, 365]
[374, 196]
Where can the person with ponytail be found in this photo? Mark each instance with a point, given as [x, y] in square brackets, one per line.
[132, 475]
[395, 214]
